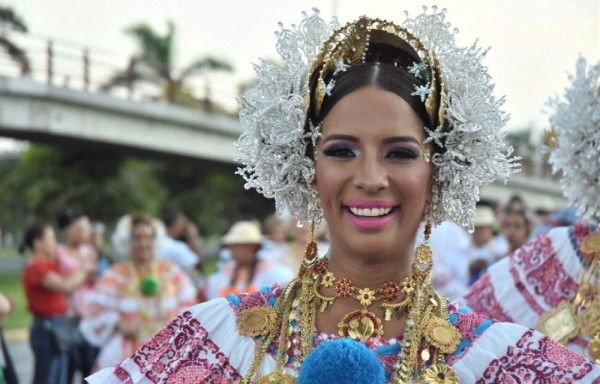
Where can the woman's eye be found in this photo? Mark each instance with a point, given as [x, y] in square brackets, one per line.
[403, 154]
[339, 151]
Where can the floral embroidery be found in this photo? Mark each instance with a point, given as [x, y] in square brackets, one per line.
[535, 357]
[180, 351]
[482, 299]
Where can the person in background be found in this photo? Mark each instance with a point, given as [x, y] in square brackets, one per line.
[8, 375]
[245, 272]
[551, 282]
[77, 250]
[97, 241]
[450, 246]
[516, 226]
[485, 249]
[134, 298]
[46, 289]
[275, 245]
[180, 245]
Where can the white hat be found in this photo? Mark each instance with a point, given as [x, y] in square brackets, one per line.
[243, 232]
[484, 217]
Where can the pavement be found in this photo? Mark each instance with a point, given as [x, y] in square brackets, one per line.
[17, 341]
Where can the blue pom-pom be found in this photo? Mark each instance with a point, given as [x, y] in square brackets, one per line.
[341, 361]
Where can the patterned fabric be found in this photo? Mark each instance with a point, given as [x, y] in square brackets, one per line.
[203, 345]
[115, 299]
[534, 279]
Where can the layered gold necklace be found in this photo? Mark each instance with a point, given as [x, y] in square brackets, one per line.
[428, 336]
[362, 323]
[581, 316]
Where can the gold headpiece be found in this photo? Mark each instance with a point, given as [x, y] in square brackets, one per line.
[354, 44]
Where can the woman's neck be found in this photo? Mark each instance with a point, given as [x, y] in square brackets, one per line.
[369, 271]
[143, 267]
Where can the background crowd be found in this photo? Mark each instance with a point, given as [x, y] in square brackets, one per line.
[114, 294]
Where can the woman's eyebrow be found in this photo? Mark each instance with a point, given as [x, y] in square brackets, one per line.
[403, 139]
[340, 137]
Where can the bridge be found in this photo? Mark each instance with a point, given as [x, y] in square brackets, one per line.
[40, 112]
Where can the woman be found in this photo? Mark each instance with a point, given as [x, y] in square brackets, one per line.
[46, 290]
[367, 161]
[134, 299]
[76, 251]
[245, 272]
[552, 281]
[516, 226]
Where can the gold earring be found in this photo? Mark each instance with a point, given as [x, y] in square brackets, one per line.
[310, 253]
[424, 253]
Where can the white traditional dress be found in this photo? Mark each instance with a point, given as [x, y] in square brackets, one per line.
[533, 279]
[117, 297]
[203, 345]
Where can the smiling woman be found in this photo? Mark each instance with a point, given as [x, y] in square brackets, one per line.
[378, 127]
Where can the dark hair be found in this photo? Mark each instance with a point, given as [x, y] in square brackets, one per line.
[67, 217]
[170, 215]
[142, 219]
[32, 233]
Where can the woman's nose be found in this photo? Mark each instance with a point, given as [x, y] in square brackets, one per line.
[370, 174]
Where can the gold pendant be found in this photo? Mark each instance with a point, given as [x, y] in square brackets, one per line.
[276, 377]
[591, 245]
[257, 321]
[594, 348]
[442, 335]
[360, 324]
[440, 374]
[559, 323]
[424, 254]
[589, 319]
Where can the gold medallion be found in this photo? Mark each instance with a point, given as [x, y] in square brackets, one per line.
[360, 324]
[440, 374]
[276, 377]
[424, 254]
[559, 323]
[589, 319]
[594, 348]
[257, 321]
[591, 245]
[442, 335]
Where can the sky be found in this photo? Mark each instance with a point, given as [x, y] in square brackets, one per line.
[534, 42]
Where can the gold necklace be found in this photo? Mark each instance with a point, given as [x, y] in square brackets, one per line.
[427, 330]
[363, 324]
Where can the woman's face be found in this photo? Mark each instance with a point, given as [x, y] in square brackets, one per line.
[371, 175]
[47, 243]
[78, 232]
[516, 229]
[243, 254]
[142, 242]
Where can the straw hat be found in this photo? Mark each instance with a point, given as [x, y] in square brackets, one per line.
[243, 232]
[484, 217]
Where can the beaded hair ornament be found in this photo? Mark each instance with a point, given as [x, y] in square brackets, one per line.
[575, 138]
[466, 118]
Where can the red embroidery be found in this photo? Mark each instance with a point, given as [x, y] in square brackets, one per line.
[536, 359]
[182, 353]
[482, 300]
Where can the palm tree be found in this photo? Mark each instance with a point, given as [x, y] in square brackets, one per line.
[154, 62]
[9, 20]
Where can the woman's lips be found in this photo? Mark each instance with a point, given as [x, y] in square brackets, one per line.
[374, 216]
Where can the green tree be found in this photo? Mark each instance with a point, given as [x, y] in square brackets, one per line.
[154, 63]
[10, 21]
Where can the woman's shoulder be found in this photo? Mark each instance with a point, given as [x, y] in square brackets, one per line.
[202, 344]
[492, 352]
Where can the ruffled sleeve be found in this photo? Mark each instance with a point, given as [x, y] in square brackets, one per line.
[202, 345]
[492, 352]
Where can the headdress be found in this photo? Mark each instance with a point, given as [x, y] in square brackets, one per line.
[465, 117]
[575, 137]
